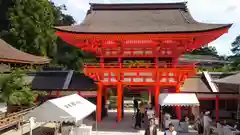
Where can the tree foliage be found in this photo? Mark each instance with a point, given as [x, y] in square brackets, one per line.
[235, 58]
[66, 55]
[31, 26]
[236, 46]
[14, 90]
[28, 26]
[206, 50]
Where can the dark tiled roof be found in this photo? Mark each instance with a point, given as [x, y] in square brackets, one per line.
[49, 80]
[140, 18]
[228, 88]
[218, 75]
[223, 87]
[54, 80]
[12, 55]
[79, 79]
[233, 79]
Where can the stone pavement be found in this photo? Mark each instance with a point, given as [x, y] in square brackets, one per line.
[109, 126]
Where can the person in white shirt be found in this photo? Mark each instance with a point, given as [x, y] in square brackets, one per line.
[206, 123]
[171, 130]
[167, 120]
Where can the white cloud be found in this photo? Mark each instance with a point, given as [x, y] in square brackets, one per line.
[208, 11]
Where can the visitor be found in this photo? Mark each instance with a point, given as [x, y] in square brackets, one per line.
[138, 119]
[145, 120]
[135, 105]
[199, 123]
[166, 120]
[207, 123]
[171, 130]
[152, 128]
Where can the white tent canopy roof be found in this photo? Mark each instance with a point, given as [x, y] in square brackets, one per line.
[65, 109]
[178, 99]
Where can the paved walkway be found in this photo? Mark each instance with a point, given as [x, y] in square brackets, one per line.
[109, 126]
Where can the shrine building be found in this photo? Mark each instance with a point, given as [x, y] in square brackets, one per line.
[12, 57]
[155, 34]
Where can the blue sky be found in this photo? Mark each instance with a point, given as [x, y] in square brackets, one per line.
[208, 11]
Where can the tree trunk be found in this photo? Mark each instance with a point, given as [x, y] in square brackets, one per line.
[8, 110]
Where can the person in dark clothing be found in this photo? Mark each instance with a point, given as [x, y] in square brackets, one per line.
[138, 119]
[135, 105]
[151, 129]
[200, 123]
[145, 120]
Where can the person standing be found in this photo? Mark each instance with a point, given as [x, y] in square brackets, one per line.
[138, 119]
[171, 130]
[152, 128]
[135, 105]
[206, 123]
[145, 120]
[199, 122]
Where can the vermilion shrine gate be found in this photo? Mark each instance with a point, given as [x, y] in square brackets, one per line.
[159, 33]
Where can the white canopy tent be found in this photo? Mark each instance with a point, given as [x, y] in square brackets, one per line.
[71, 108]
[178, 99]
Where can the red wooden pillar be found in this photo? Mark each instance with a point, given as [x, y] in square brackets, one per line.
[119, 101]
[105, 95]
[99, 102]
[178, 108]
[149, 95]
[217, 107]
[156, 94]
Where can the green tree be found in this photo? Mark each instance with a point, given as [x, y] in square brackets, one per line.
[206, 50]
[14, 90]
[236, 46]
[235, 58]
[66, 55]
[31, 27]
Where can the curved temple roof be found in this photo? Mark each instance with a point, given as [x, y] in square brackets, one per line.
[11, 55]
[140, 18]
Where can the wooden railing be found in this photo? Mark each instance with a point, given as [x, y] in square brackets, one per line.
[12, 118]
[137, 65]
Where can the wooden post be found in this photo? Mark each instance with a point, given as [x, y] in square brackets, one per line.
[119, 101]
[157, 92]
[217, 107]
[178, 108]
[99, 102]
[105, 95]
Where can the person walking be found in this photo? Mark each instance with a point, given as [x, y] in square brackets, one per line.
[152, 128]
[206, 123]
